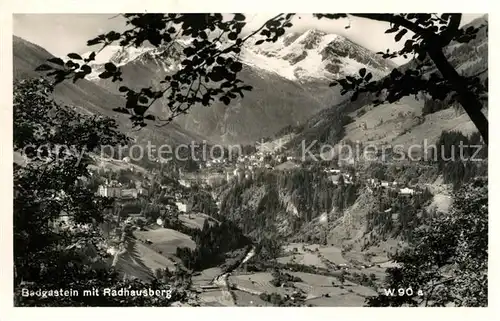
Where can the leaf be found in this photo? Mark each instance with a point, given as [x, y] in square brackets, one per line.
[57, 61]
[368, 76]
[395, 73]
[225, 100]
[95, 41]
[400, 34]
[121, 110]
[43, 67]
[362, 72]
[392, 30]
[86, 69]
[150, 117]
[236, 67]
[123, 89]
[112, 36]
[78, 75]
[75, 56]
[259, 42]
[333, 84]
[239, 17]
[91, 57]
[105, 75]
[232, 36]
[143, 100]
[110, 67]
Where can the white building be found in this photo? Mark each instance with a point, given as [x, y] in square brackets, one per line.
[109, 191]
[185, 183]
[407, 191]
[239, 174]
[183, 207]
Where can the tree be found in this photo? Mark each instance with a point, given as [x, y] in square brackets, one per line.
[210, 64]
[270, 248]
[447, 260]
[49, 254]
[342, 277]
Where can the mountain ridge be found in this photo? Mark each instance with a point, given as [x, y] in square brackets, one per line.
[91, 98]
[284, 93]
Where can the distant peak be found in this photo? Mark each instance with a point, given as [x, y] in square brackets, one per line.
[315, 32]
[311, 38]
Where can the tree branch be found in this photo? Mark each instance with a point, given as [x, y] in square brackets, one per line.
[397, 20]
[452, 29]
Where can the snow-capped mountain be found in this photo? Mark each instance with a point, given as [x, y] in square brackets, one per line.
[315, 54]
[91, 98]
[311, 55]
[290, 79]
[121, 56]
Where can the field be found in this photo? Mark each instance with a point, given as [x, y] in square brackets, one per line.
[328, 291]
[206, 276]
[311, 259]
[195, 220]
[249, 300]
[152, 259]
[142, 262]
[311, 254]
[319, 290]
[256, 283]
[398, 124]
[165, 241]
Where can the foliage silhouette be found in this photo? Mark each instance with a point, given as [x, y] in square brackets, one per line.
[448, 257]
[48, 254]
[210, 65]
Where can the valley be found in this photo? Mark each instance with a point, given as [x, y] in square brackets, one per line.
[271, 224]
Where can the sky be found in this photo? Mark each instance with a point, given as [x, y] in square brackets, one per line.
[63, 33]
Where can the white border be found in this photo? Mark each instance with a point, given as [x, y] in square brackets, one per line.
[252, 6]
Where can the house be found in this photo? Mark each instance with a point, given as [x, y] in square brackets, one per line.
[372, 181]
[216, 180]
[384, 184]
[239, 174]
[335, 179]
[142, 191]
[109, 190]
[129, 193]
[183, 207]
[407, 191]
[185, 183]
[288, 165]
